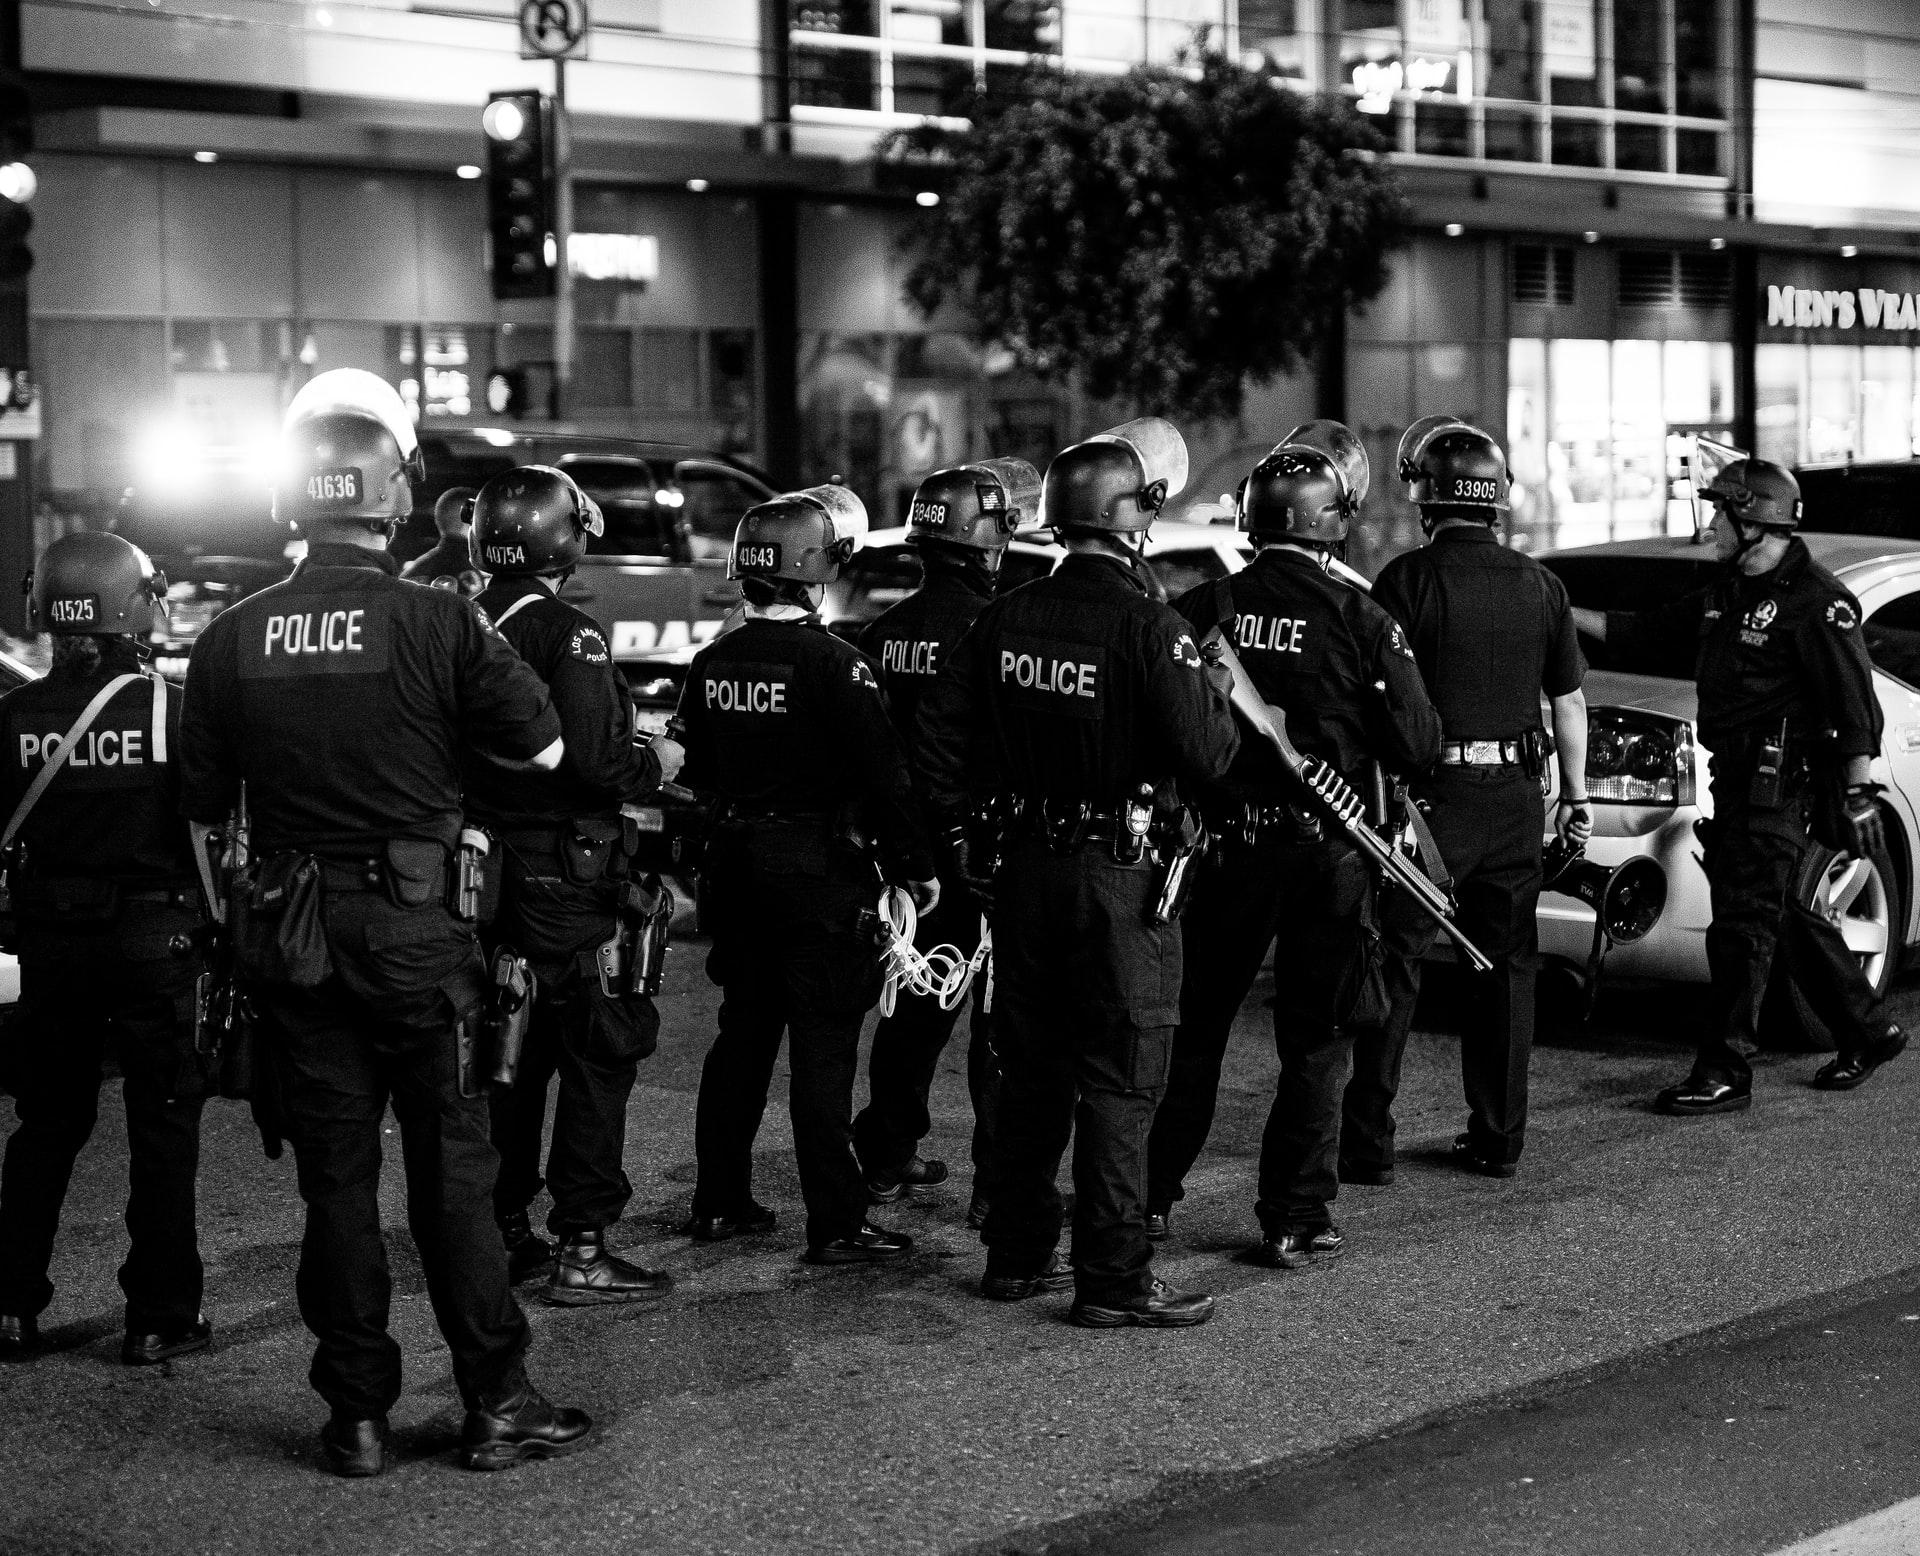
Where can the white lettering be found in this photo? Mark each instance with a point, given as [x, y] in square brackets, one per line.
[1063, 677]
[747, 696]
[105, 749]
[133, 747]
[328, 632]
[900, 657]
[1780, 307]
[1869, 307]
[29, 748]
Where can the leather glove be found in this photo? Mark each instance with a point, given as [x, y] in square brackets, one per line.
[1869, 831]
[925, 895]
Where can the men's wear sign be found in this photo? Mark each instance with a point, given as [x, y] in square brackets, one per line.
[1802, 308]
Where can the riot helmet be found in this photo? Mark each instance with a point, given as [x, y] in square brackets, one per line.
[1459, 466]
[1298, 494]
[1757, 492]
[800, 537]
[1116, 481]
[1406, 461]
[978, 506]
[348, 454]
[1342, 445]
[533, 520]
[93, 584]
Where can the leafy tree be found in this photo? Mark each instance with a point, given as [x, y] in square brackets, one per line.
[1160, 236]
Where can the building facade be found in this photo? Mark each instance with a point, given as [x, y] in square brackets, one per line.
[1635, 220]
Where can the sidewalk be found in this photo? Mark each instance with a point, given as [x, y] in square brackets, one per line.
[771, 1406]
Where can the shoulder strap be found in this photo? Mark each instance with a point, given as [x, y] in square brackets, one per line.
[88, 714]
[525, 599]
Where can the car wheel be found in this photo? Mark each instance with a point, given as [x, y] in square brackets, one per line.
[1867, 897]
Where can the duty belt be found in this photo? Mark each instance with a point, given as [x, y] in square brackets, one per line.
[1250, 824]
[1480, 753]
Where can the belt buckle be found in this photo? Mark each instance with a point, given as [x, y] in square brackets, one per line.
[1484, 753]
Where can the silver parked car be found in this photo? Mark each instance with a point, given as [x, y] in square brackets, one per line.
[1647, 771]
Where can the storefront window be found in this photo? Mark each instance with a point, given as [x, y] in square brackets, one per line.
[1600, 432]
[1823, 403]
[1886, 403]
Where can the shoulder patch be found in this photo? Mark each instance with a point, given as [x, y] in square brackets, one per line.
[1186, 652]
[486, 621]
[1397, 640]
[863, 675]
[1842, 616]
[589, 646]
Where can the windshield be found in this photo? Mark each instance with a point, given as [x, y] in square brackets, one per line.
[1620, 583]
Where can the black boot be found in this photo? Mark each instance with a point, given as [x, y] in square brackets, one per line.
[528, 1253]
[356, 1448]
[149, 1350]
[918, 1172]
[527, 1426]
[587, 1274]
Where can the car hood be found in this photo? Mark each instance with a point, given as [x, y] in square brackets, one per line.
[1652, 693]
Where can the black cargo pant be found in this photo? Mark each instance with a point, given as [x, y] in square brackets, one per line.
[906, 1051]
[1380, 1044]
[794, 953]
[1308, 899]
[556, 909]
[127, 988]
[382, 1029]
[1758, 868]
[1488, 823]
[1087, 992]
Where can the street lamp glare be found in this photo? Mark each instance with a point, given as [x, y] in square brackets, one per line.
[466, 170]
[17, 183]
[503, 120]
[927, 198]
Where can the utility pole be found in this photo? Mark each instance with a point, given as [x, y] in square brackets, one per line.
[16, 454]
[779, 222]
[563, 325]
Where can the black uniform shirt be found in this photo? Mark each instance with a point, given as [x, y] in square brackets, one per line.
[1786, 644]
[909, 642]
[342, 697]
[1075, 688]
[1335, 662]
[602, 766]
[1490, 628]
[451, 560]
[112, 811]
[782, 718]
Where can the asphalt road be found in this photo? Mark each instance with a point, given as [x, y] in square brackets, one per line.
[771, 1406]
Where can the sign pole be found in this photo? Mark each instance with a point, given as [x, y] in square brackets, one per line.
[563, 328]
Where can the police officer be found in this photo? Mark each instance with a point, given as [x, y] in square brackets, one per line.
[1491, 630]
[109, 921]
[450, 564]
[341, 700]
[960, 523]
[787, 732]
[563, 862]
[1077, 701]
[1787, 708]
[1280, 875]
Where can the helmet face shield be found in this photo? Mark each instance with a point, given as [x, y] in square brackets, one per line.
[533, 520]
[1339, 443]
[978, 505]
[1413, 440]
[342, 465]
[804, 536]
[1298, 493]
[356, 390]
[1162, 453]
[1459, 466]
[1116, 481]
[1711, 460]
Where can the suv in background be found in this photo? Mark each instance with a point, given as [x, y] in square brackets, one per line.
[657, 579]
[1864, 497]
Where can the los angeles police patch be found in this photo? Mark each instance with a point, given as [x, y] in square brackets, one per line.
[863, 675]
[1397, 640]
[589, 646]
[486, 621]
[1842, 617]
[1761, 616]
[1185, 652]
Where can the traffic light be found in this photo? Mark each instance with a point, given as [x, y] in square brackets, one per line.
[16, 178]
[520, 187]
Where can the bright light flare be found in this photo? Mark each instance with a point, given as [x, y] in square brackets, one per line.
[503, 119]
[17, 182]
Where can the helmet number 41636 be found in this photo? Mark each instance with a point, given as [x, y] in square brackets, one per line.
[342, 486]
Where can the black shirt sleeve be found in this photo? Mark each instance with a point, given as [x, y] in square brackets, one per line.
[209, 719]
[1565, 666]
[507, 709]
[1402, 724]
[859, 715]
[596, 718]
[1195, 719]
[1835, 654]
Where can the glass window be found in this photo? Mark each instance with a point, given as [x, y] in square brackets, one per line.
[1893, 638]
[1779, 395]
[712, 500]
[225, 345]
[603, 369]
[1697, 58]
[1833, 423]
[667, 372]
[103, 383]
[1640, 148]
[1886, 402]
[1272, 29]
[1639, 56]
[1699, 152]
[1639, 436]
[1577, 142]
[1512, 137]
[1527, 431]
[1570, 36]
[1030, 26]
[1513, 49]
[455, 360]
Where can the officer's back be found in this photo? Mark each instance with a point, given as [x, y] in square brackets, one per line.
[343, 696]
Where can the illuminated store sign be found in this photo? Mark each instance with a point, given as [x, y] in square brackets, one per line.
[1799, 308]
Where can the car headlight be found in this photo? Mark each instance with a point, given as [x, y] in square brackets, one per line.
[1638, 758]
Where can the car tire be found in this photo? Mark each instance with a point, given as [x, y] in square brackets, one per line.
[1788, 1021]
